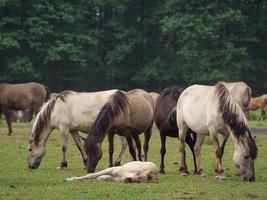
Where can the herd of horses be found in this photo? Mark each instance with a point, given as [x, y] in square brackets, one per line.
[188, 114]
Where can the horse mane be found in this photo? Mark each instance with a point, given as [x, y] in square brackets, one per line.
[117, 104]
[42, 119]
[234, 117]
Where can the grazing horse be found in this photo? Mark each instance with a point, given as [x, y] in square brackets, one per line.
[165, 120]
[128, 114]
[216, 111]
[69, 112]
[259, 103]
[132, 172]
[22, 96]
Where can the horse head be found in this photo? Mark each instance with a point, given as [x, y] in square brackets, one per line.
[39, 135]
[244, 156]
[35, 154]
[94, 154]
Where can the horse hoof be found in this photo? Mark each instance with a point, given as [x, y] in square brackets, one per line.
[162, 171]
[220, 177]
[202, 175]
[184, 174]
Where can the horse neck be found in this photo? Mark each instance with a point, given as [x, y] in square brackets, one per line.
[45, 135]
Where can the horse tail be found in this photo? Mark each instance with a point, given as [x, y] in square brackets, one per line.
[117, 105]
[42, 119]
[234, 118]
[247, 97]
[47, 93]
[172, 118]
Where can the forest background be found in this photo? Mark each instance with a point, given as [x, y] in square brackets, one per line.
[101, 44]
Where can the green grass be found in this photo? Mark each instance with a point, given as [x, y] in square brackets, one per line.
[18, 182]
[254, 120]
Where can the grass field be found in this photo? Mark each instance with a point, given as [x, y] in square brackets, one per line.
[18, 182]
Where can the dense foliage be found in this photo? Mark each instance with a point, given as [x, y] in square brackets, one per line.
[101, 44]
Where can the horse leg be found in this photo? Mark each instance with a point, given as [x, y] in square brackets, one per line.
[111, 147]
[109, 172]
[148, 133]
[197, 149]
[138, 146]
[262, 114]
[78, 142]
[8, 121]
[191, 140]
[219, 153]
[182, 135]
[123, 148]
[130, 144]
[64, 137]
[162, 151]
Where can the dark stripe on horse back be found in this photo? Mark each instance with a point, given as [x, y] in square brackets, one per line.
[117, 104]
[230, 113]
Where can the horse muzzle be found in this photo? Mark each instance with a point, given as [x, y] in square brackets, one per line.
[248, 178]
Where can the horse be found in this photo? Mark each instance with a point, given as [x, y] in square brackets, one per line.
[22, 96]
[127, 114]
[69, 112]
[165, 120]
[132, 172]
[259, 103]
[154, 96]
[215, 110]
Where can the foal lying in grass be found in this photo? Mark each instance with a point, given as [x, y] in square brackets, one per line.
[132, 172]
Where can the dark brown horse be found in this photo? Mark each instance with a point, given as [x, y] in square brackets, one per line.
[165, 120]
[127, 114]
[22, 96]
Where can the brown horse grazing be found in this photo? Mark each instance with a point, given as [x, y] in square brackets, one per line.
[21, 97]
[165, 120]
[128, 114]
[259, 103]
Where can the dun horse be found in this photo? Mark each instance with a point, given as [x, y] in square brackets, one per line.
[69, 112]
[259, 103]
[128, 114]
[132, 172]
[216, 111]
[22, 96]
[165, 119]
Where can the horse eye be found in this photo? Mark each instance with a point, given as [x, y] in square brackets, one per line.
[30, 149]
[246, 157]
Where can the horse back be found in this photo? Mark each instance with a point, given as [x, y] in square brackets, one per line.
[166, 104]
[22, 96]
[78, 110]
[139, 117]
[198, 107]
